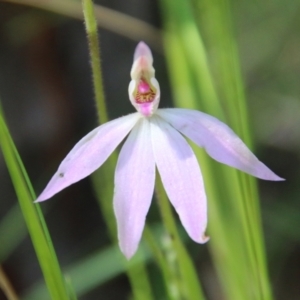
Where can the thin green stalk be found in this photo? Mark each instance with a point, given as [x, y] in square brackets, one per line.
[40, 213]
[221, 36]
[178, 19]
[34, 219]
[92, 36]
[180, 78]
[223, 238]
[237, 251]
[137, 273]
[188, 281]
[170, 280]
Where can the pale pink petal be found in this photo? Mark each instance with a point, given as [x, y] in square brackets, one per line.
[134, 186]
[142, 49]
[181, 177]
[142, 62]
[219, 141]
[89, 154]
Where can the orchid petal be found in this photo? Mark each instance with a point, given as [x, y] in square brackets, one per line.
[134, 186]
[219, 141]
[142, 62]
[142, 49]
[89, 154]
[181, 177]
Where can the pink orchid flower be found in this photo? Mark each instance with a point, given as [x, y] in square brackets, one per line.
[155, 139]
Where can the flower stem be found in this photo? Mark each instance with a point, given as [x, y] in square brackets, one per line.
[92, 35]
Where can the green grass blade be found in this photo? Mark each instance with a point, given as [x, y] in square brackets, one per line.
[33, 217]
[234, 224]
[231, 91]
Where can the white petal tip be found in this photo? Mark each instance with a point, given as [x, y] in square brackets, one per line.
[271, 177]
[128, 254]
[142, 49]
[200, 239]
[203, 239]
[40, 199]
[128, 248]
[278, 179]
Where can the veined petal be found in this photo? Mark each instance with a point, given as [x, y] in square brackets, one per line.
[134, 186]
[89, 154]
[219, 141]
[181, 177]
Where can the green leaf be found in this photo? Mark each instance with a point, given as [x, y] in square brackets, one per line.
[32, 215]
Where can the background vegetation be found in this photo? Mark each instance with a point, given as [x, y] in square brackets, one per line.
[237, 60]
